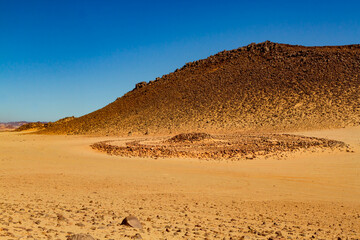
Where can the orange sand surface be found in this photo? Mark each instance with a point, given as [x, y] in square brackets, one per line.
[54, 186]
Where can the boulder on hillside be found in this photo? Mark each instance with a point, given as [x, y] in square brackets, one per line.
[140, 85]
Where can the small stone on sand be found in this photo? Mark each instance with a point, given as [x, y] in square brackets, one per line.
[132, 221]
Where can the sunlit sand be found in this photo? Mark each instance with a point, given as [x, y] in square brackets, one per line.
[53, 186]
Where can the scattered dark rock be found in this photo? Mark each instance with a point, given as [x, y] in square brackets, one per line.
[137, 236]
[61, 217]
[221, 147]
[80, 237]
[190, 137]
[278, 233]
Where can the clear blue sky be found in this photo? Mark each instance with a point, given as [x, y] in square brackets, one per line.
[64, 58]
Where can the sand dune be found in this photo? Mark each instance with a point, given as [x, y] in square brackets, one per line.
[53, 186]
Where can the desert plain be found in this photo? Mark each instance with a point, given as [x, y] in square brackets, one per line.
[54, 186]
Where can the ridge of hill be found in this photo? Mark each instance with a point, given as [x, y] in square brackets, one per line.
[266, 86]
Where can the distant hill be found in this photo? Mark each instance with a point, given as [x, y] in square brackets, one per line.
[4, 126]
[265, 86]
[42, 125]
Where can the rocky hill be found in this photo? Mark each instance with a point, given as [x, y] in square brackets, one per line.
[265, 86]
[30, 126]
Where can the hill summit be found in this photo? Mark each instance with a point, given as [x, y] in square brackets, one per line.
[266, 86]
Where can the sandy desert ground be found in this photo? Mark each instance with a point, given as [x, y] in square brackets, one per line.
[55, 186]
